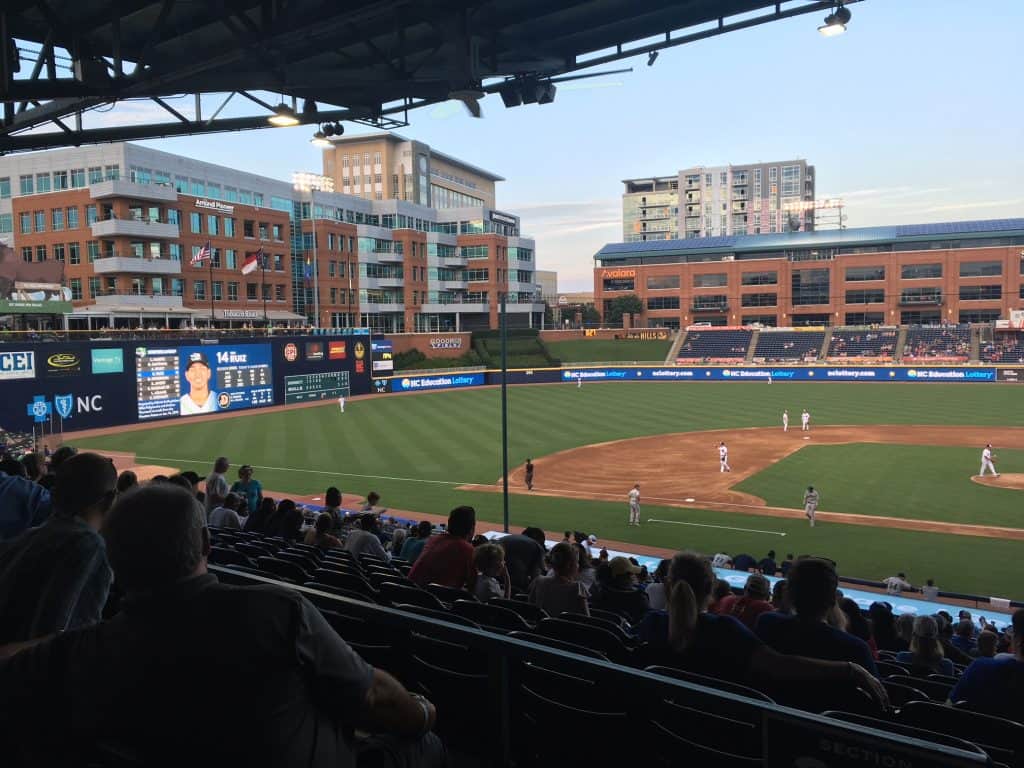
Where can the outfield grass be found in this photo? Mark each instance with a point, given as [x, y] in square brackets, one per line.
[618, 350]
[414, 450]
[929, 482]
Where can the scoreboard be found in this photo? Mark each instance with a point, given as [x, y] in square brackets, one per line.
[316, 386]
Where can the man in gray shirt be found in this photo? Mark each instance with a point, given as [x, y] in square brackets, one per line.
[216, 485]
[365, 540]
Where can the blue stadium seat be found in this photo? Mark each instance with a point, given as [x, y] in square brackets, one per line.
[712, 344]
[879, 343]
[942, 343]
[782, 346]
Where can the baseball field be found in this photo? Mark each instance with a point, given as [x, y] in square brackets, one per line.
[893, 464]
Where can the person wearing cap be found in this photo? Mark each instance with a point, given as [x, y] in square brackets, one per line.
[56, 577]
[226, 515]
[524, 556]
[752, 603]
[621, 594]
[200, 399]
[925, 654]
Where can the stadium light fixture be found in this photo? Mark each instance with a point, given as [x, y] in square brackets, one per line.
[320, 140]
[283, 117]
[835, 22]
[651, 58]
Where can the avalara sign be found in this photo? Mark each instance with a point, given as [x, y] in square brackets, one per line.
[609, 273]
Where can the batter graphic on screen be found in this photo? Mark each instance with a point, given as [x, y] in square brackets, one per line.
[199, 398]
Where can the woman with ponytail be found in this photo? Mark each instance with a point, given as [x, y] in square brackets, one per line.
[688, 637]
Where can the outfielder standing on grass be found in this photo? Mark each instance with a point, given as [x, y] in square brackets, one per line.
[810, 503]
[634, 505]
[986, 461]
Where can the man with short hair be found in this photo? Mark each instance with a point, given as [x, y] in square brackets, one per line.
[56, 577]
[226, 515]
[524, 556]
[964, 637]
[23, 503]
[199, 398]
[216, 485]
[413, 545]
[768, 566]
[332, 502]
[812, 594]
[365, 540]
[621, 594]
[929, 591]
[448, 559]
[289, 691]
[751, 604]
[993, 685]
[894, 585]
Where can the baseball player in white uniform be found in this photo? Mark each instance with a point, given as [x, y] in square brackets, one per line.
[805, 421]
[785, 421]
[810, 503]
[986, 461]
[723, 458]
[341, 403]
[579, 381]
[634, 505]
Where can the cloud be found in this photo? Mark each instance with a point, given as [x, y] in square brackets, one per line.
[973, 206]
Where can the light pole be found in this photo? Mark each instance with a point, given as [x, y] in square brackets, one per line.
[312, 182]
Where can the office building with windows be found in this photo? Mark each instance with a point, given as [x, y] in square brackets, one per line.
[717, 201]
[957, 272]
[126, 221]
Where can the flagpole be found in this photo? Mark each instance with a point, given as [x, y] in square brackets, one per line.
[263, 288]
[211, 283]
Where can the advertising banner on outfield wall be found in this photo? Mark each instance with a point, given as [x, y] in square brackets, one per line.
[778, 374]
[446, 381]
[1010, 375]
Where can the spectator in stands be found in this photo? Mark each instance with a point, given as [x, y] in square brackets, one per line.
[287, 521]
[883, 626]
[780, 597]
[993, 685]
[904, 631]
[365, 539]
[492, 578]
[398, 537]
[621, 594]
[988, 643]
[216, 485]
[372, 500]
[260, 517]
[289, 690]
[588, 573]
[964, 637]
[751, 604]
[812, 591]
[23, 504]
[56, 577]
[687, 636]
[226, 515]
[786, 565]
[719, 592]
[560, 591]
[332, 500]
[247, 487]
[954, 654]
[894, 585]
[193, 480]
[743, 562]
[656, 589]
[35, 466]
[414, 544]
[857, 625]
[320, 535]
[448, 559]
[767, 566]
[925, 654]
[929, 591]
[126, 481]
[57, 458]
[524, 555]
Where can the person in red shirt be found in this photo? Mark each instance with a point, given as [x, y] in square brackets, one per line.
[751, 604]
[448, 559]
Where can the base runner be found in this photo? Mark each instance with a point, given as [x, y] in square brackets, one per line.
[810, 503]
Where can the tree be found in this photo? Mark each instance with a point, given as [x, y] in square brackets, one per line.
[591, 317]
[629, 304]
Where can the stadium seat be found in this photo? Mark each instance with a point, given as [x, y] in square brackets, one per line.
[394, 594]
[890, 668]
[612, 616]
[901, 693]
[377, 647]
[878, 343]
[1002, 739]
[304, 561]
[948, 679]
[449, 595]
[715, 344]
[950, 343]
[528, 611]
[229, 557]
[254, 550]
[377, 579]
[562, 645]
[614, 627]
[935, 690]
[283, 569]
[924, 734]
[432, 613]
[348, 581]
[588, 636]
[777, 346]
[491, 616]
[340, 592]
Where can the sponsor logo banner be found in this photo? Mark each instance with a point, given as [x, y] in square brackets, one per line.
[107, 361]
[63, 364]
[950, 374]
[383, 356]
[291, 352]
[1013, 375]
[336, 350]
[418, 383]
[17, 365]
[314, 350]
[446, 342]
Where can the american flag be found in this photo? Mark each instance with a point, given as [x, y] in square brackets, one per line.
[202, 255]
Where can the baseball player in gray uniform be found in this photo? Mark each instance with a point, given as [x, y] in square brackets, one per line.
[810, 503]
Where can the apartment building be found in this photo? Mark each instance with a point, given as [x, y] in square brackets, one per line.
[956, 272]
[126, 221]
[719, 201]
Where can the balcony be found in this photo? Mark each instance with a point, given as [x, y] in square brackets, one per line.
[716, 307]
[154, 301]
[452, 285]
[102, 190]
[143, 229]
[370, 306]
[693, 197]
[381, 282]
[920, 301]
[451, 307]
[136, 265]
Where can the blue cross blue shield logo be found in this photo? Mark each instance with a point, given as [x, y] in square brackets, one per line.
[64, 404]
[39, 409]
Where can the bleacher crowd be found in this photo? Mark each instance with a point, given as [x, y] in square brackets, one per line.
[112, 627]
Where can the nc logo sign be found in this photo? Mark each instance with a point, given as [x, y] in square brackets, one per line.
[66, 406]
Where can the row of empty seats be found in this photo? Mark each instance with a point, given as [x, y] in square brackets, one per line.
[716, 345]
[778, 346]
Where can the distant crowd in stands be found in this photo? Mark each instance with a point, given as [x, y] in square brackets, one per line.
[1005, 348]
[875, 343]
[938, 342]
[108, 613]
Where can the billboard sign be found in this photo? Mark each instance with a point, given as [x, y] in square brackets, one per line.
[383, 356]
[17, 365]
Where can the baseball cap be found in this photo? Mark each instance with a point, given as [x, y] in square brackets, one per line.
[620, 566]
[197, 357]
[592, 539]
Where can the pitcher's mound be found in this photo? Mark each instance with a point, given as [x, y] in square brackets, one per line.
[1009, 480]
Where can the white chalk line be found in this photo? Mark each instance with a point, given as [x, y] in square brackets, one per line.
[722, 527]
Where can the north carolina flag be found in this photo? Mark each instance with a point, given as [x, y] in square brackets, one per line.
[202, 255]
[308, 271]
[252, 262]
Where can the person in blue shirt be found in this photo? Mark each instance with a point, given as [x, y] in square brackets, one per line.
[994, 686]
[248, 487]
[23, 503]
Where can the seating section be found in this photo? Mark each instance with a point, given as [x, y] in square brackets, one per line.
[779, 346]
[875, 344]
[715, 345]
[1008, 347]
[940, 343]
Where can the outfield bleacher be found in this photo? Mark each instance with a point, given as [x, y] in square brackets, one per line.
[712, 345]
[1007, 347]
[938, 344]
[788, 346]
[863, 344]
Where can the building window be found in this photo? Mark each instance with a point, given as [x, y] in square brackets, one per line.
[867, 296]
[72, 217]
[663, 302]
[230, 258]
[279, 292]
[710, 280]
[921, 296]
[770, 321]
[77, 178]
[40, 253]
[92, 248]
[58, 252]
[6, 223]
[715, 303]
[248, 228]
[619, 284]
[251, 291]
[25, 184]
[790, 180]
[60, 180]
[90, 214]
[76, 289]
[475, 252]
[174, 251]
[5, 187]
[195, 221]
[980, 292]
[40, 221]
[26, 253]
[57, 219]
[477, 275]
[74, 254]
[96, 174]
[232, 291]
[112, 172]
[863, 274]
[979, 315]
[25, 222]
[920, 271]
[276, 230]
[199, 290]
[197, 187]
[218, 290]
[212, 225]
[760, 278]
[981, 268]
[758, 300]
[94, 287]
[810, 286]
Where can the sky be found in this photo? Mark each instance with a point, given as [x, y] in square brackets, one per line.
[914, 115]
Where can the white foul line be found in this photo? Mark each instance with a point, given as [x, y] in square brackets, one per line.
[706, 525]
[312, 471]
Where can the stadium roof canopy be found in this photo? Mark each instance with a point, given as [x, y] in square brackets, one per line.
[986, 229]
[368, 62]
